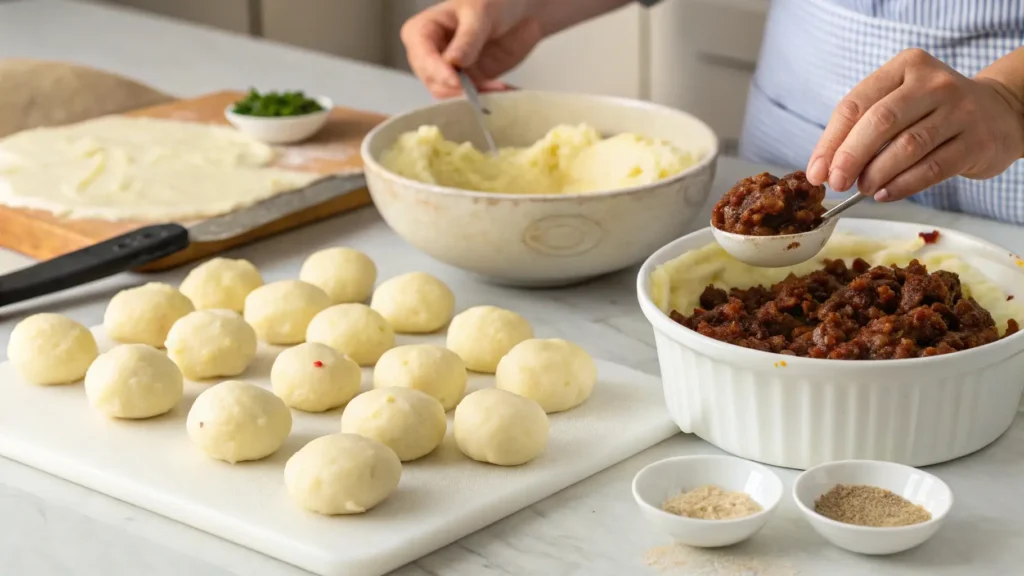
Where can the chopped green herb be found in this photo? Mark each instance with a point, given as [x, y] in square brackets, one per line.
[276, 104]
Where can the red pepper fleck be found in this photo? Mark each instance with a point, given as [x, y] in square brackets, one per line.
[929, 237]
[318, 364]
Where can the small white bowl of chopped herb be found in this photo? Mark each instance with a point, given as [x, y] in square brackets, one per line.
[279, 117]
[872, 507]
[707, 501]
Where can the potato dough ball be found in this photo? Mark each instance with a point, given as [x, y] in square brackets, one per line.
[432, 369]
[314, 377]
[482, 335]
[145, 314]
[500, 427]
[354, 330]
[211, 343]
[410, 422]
[133, 381]
[236, 421]
[49, 349]
[346, 275]
[342, 474]
[221, 283]
[281, 311]
[557, 374]
[414, 303]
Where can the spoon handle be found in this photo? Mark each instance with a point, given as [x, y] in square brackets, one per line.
[853, 199]
[478, 109]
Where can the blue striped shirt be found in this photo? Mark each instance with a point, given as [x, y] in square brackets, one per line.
[815, 51]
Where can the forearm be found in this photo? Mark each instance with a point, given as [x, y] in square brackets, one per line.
[1006, 75]
[557, 15]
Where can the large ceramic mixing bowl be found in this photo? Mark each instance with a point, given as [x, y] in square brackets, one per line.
[542, 240]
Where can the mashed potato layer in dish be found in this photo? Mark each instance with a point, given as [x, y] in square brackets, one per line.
[567, 160]
[678, 284]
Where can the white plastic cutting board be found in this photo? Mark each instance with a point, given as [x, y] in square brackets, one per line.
[442, 497]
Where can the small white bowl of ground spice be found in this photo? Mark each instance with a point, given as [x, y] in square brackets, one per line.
[707, 501]
[872, 507]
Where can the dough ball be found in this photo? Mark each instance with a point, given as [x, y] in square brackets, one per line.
[408, 421]
[354, 330]
[346, 275]
[414, 303]
[145, 314]
[211, 343]
[314, 377]
[434, 370]
[500, 427]
[236, 421]
[280, 311]
[557, 374]
[342, 474]
[133, 381]
[482, 335]
[49, 349]
[221, 283]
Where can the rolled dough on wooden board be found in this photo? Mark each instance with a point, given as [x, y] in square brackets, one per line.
[333, 150]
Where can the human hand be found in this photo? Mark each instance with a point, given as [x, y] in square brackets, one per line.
[915, 122]
[484, 37]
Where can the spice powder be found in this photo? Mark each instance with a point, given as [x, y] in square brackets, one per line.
[712, 503]
[869, 506]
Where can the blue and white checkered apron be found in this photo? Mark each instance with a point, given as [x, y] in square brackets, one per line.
[815, 51]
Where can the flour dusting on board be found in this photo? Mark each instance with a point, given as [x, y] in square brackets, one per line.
[683, 560]
[304, 156]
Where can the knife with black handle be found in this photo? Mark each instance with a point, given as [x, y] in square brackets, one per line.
[151, 243]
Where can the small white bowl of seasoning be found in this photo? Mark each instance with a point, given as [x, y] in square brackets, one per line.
[279, 117]
[707, 501]
[872, 507]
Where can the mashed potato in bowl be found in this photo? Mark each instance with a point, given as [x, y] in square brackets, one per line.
[567, 160]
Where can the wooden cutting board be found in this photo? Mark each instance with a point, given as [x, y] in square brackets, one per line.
[335, 149]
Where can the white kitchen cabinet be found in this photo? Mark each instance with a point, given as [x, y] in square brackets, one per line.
[702, 58]
[601, 56]
[349, 28]
[233, 15]
[605, 55]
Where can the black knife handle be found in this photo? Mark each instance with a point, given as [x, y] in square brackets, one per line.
[98, 261]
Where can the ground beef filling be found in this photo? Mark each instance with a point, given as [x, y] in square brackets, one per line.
[849, 313]
[764, 205]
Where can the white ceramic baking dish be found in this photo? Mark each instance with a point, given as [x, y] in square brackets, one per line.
[801, 412]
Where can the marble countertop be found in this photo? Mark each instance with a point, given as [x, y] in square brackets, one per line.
[51, 527]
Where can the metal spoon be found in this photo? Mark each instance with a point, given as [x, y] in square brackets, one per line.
[478, 109]
[787, 249]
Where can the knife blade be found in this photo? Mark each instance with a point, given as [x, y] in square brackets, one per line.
[150, 243]
[274, 208]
